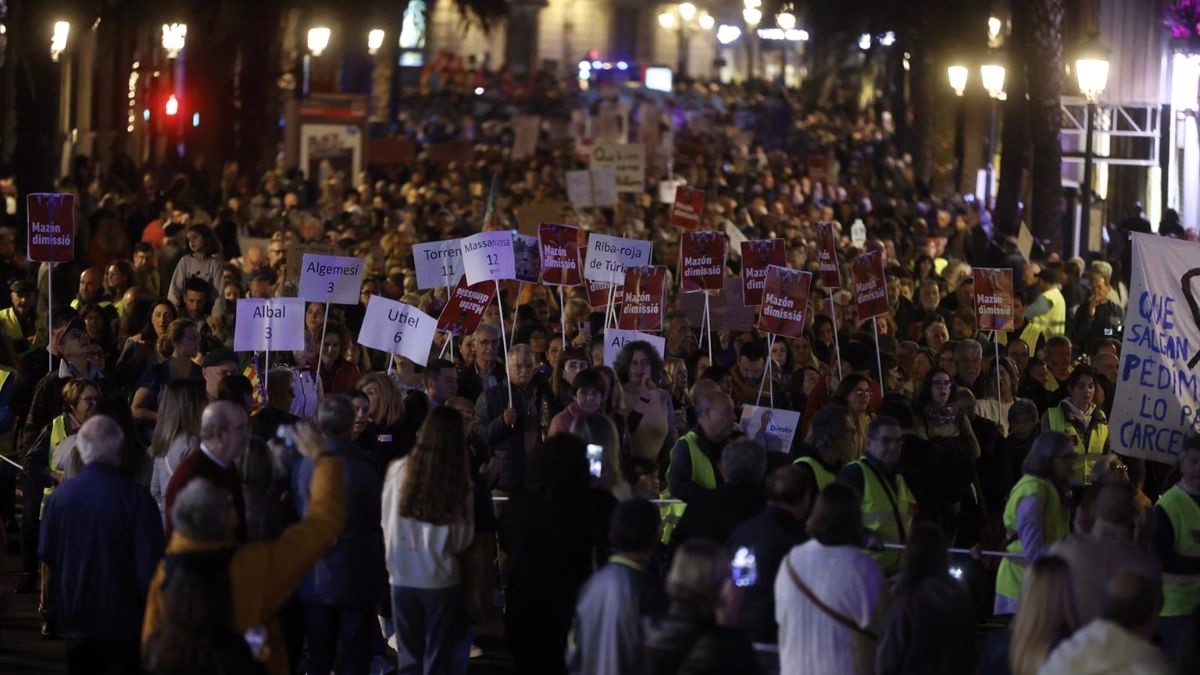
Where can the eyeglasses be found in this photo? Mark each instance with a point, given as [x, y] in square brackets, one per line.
[862, 392]
[941, 383]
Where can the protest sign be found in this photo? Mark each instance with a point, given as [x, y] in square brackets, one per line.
[269, 324]
[827, 257]
[294, 257]
[587, 189]
[858, 233]
[726, 308]
[465, 308]
[1157, 401]
[818, 168]
[688, 208]
[785, 301]
[701, 261]
[626, 161]
[530, 216]
[527, 264]
[667, 188]
[608, 257]
[771, 428]
[993, 298]
[525, 135]
[598, 295]
[561, 265]
[870, 285]
[331, 278]
[644, 292]
[438, 263]
[615, 339]
[397, 328]
[51, 227]
[1025, 241]
[488, 256]
[757, 255]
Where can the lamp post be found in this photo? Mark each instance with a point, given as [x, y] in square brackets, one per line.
[752, 15]
[958, 82]
[1091, 69]
[685, 18]
[992, 76]
[318, 40]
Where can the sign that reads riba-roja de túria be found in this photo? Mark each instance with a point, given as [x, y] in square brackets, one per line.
[397, 328]
[331, 278]
[51, 232]
[870, 285]
[269, 324]
[438, 263]
[488, 256]
[608, 257]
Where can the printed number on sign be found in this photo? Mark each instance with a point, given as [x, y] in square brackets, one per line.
[268, 332]
[330, 287]
[397, 338]
[493, 259]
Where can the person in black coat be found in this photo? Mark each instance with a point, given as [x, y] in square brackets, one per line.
[688, 640]
[512, 430]
[715, 514]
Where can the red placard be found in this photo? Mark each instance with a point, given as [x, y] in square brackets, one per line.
[645, 298]
[785, 301]
[993, 298]
[870, 285]
[561, 262]
[688, 207]
[702, 261]
[757, 254]
[465, 308]
[598, 294]
[827, 259]
[51, 227]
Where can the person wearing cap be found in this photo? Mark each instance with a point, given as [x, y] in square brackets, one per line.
[1035, 516]
[215, 366]
[1049, 311]
[19, 322]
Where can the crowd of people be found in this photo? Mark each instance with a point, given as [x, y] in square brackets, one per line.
[185, 508]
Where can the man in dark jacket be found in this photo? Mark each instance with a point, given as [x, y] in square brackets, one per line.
[487, 370]
[339, 593]
[224, 437]
[696, 454]
[101, 540]
[512, 430]
[1099, 318]
[714, 514]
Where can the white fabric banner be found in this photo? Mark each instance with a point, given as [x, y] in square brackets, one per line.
[1157, 401]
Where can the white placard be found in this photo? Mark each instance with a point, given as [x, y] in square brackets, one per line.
[615, 339]
[858, 233]
[331, 278]
[397, 328]
[438, 263]
[275, 324]
[607, 257]
[586, 189]
[628, 162]
[525, 135]
[736, 237]
[772, 428]
[488, 256]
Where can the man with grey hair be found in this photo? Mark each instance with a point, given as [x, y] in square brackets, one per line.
[696, 454]
[715, 514]
[101, 539]
[224, 438]
[487, 371]
[968, 362]
[512, 427]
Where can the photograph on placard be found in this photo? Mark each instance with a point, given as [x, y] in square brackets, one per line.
[527, 263]
[702, 261]
[466, 306]
[757, 255]
[772, 428]
[785, 301]
[993, 298]
[560, 259]
[644, 293]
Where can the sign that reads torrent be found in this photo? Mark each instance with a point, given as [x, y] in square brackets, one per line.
[993, 298]
[51, 231]
[463, 312]
[331, 278]
[615, 339]
[757, 255]
[688, 208]
[827, 258]
[560, 254]
[1157, 401]
[702, 261]
[785, 301]
[608, 257]
[488, 256]
[438, 263]
[645, 298]
[274, 324]
[627, 162]
[870, 285]
[397, 328]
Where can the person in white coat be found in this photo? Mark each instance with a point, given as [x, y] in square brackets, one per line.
[830, 597]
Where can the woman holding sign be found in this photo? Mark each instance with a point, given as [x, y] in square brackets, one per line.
[338, 374]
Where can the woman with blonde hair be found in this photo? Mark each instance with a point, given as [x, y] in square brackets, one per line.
[428, 521]
[1046, 615]
[386, 437]
[176, 433]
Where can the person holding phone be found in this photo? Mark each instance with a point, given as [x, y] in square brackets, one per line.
[648, 411]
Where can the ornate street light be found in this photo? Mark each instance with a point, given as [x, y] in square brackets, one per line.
[1091, 69]
[958, 78]
[374, 41]
[318, 39]
[58, 40]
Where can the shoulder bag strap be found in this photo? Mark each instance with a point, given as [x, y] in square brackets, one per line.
[833, 613]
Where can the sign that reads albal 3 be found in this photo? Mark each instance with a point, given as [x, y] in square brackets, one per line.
[397, 328]
[269, 324]
[331, 278]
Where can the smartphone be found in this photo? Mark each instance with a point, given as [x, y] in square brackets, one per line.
[957, 572]
[745, 568]
[594, 455]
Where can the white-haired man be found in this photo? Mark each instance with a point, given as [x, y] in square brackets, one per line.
[101, 540]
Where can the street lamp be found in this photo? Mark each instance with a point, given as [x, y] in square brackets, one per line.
[318, 39]
[58, 40]
[958, 75]
[687, 11]
[785, 20]
[174, 35]
[1091, 69]
[374, 41]
[958, 78]
[686, 18]
[752, 15]
[992, 77]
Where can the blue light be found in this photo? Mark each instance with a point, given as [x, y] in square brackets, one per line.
[195, 119]
[621, 65]
[596, 65]
[146, 114]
